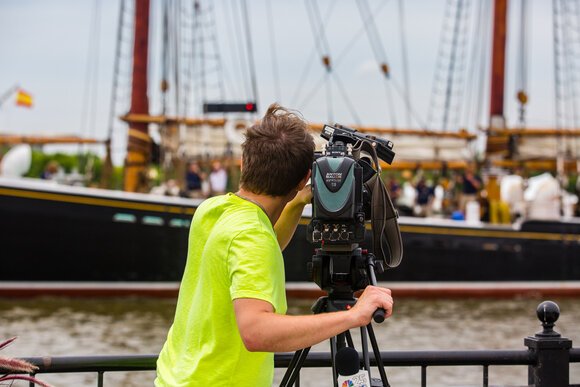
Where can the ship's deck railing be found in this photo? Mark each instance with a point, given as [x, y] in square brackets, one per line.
[547, 357]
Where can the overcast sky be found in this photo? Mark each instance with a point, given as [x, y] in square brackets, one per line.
[45, 49]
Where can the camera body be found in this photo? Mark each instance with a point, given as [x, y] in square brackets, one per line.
[341, 204]
[338, 216]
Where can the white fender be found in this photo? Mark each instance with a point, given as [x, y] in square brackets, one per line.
[17, 161]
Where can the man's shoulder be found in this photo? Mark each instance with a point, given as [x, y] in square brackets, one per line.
[232, 215]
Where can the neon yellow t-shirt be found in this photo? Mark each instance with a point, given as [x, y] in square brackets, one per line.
[233, 253]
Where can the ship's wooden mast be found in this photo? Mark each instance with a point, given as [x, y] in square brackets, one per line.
[496, 104]
[139, 142]
[498, 145]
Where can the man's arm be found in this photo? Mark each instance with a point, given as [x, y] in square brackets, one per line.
[262, 330]
[288, 221]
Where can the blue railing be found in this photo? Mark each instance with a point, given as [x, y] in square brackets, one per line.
[548, 358]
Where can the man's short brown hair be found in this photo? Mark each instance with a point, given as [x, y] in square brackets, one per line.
[277, 154]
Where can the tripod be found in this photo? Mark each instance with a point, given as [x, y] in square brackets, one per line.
[337, 301]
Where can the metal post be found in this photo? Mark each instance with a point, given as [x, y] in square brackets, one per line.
[552, 351]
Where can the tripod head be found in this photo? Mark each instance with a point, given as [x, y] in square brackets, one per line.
[342, 273]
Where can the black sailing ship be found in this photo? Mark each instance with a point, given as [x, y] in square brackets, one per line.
[53, 233]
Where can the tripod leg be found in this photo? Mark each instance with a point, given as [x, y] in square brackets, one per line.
[377, 353]
[349, 339]
[333, 350]
[294, 367]
[365, 349]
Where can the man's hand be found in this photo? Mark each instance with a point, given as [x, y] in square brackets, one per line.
[286, 224]
[372, 298]
[304, 196]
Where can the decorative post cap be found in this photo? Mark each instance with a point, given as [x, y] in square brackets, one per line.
[548, 313]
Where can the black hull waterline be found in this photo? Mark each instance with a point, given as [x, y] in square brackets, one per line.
[55, 233]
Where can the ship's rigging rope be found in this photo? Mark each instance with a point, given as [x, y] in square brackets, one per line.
[522, 62]
[405, 61]
[250, 51]
[380, 54]
[308, 65]
[566, 35]
[234, 48]
[450, 67]
[107, 167]
[121, 90]
[402, 93]
[323, 47]
[91, 88]
[272, 35]
[240, 31]
[478, 68]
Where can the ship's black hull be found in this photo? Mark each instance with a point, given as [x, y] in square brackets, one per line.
[55, 234]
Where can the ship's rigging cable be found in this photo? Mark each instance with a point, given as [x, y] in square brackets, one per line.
[240, 45]
[108, 163]
[116, 70]
[242, 57]
[570, 35]
[483, 63]
[89, 110]
[478, 64]
[206, 69]
[405, 61]
[456, 65]
[522, 62]
[570, 50]
[272, 35]
[231, 38]
[380, 54]
[308, 65]
[121, 90]
[556, 27]
[177, 54]
[558, 84]
[450, 66]
[250, 51]
[165, 58]
[322, 47]
[315, 19]
[188, 37]
[336, 62]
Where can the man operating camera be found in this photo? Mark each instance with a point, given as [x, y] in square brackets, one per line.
[230, 315]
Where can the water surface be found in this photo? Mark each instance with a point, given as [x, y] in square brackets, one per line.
[128, 326]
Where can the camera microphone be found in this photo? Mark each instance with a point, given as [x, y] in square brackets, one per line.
[348, 366]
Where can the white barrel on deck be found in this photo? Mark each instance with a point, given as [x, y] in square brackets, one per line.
[472, 214]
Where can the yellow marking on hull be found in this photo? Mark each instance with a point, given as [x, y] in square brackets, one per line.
[96, 201]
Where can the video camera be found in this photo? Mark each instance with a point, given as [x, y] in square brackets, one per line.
[347, 191]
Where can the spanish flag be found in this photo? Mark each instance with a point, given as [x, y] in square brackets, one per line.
[23, 99]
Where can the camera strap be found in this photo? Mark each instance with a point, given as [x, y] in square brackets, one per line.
[387, 242]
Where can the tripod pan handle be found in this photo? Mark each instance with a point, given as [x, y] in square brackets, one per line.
[379, 315]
